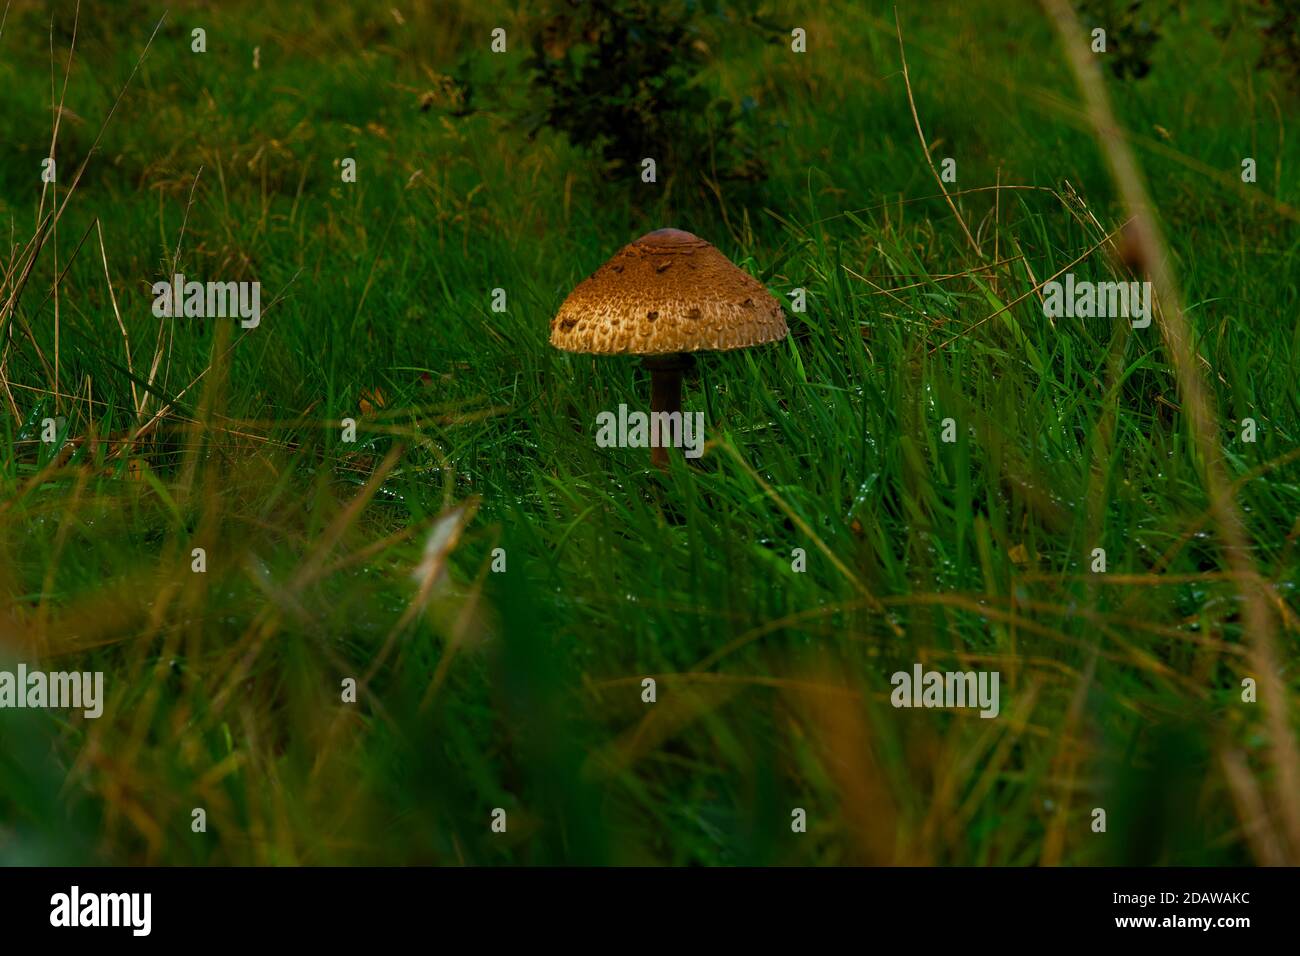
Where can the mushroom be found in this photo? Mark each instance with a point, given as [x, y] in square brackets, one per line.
[664, 296]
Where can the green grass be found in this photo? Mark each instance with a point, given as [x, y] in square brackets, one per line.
[522, 690]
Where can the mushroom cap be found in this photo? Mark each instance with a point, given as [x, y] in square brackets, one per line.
[668, 291]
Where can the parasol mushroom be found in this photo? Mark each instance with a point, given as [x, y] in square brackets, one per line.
[664, 296]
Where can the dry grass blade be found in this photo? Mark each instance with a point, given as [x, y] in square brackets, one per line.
[925, 147]
[1150, 248]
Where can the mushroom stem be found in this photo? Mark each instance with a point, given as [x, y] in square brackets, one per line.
[665, 393]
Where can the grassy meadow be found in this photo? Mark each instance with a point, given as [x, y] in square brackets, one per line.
[522, 689]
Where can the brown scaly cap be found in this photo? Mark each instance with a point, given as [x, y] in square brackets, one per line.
[668, 291]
